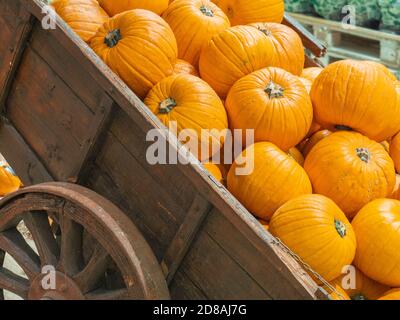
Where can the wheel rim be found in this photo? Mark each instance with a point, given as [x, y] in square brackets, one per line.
[91, 250]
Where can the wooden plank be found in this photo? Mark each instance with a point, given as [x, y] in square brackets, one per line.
[184, 237]
[16, 25]
[48, 121]
[21, 158]
[182, 288]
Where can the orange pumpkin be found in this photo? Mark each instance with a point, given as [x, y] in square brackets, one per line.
[139, 46]
[85, 17]
[315, 138]
[386, 145]
[183, 67]
[249, 11]
[274, 103]
[395, 151]
[396, 191]
[315, 228]
[359, 96]
[287, 44]
[233, 54]
[114, 7]
[383, 68]
[350, 169]
[195, 108]
[296, 155]
[9, 182]
[264, 224]
[311, 73]
[271, 178]
[338, 293]
[393, 294]
[307, 84]
[315, 127]
[361, 287]
[194, 23]
[214, 170]
[378, 241]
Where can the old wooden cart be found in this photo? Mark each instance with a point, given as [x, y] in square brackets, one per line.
[76, 135]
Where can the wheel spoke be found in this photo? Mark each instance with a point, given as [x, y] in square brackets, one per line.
[94, 271]
[12, 242]
[39, 226]
[103, 294]
[13, 283]
[71, 258]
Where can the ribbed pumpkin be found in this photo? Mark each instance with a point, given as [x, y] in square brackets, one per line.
[139, 46]
[214, 170]
[393, 294]
[356, 95]
[315, 228]
[276, 178]
[315, 127]
[378, 241]
[9, 182]
[184, 67]
[289, 50]
[249, 11]
[396, 192]
[350, 169]
[233, 54]
[306, 83]
[395, 151]
[274, 103]
[194, 23]
[311, 73]
[264, 224]
[114, 7]
[296, 155]
[386, 145]
[85, 17]
[193, 105]
[315, 138]
[364, 287]
[383, 68]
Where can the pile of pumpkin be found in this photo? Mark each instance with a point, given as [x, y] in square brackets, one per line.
[326, 147]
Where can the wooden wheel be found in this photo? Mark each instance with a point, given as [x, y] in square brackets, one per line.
[81, 247]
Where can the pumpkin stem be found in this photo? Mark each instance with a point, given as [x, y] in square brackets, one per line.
[207, 11]
[358, 296]
[274, 90]
[343, 128]
[112, 38]
[167, 105]
[340, 228]
[264, 30]
[363, 154]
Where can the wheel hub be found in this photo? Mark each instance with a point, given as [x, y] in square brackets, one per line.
[57, 286]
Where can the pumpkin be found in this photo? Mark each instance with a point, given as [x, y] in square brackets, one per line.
[386, 145]
[315, 127]
[264, 177]
[358, 96]
[233, 54]
[183, 67]
[139, 46]
[315, 228]
[350, 169]
[214, 170]
[394, 150]
[242, 12]
[315, 138]
[194, 22]
[274, 103]
[378, 241]
[383, 68]
[306, 83]
[195, 108]
[311, 73]
[264, 224]
[9, 181]
[85, 17]
[338, 293]
[296, 155]
[396, 191]
[360, 287]
[114, 7]
[393, 294]
[287, 44]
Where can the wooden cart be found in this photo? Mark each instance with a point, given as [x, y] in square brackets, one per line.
[108, 223]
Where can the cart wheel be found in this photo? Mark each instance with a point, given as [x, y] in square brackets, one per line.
[74, 244]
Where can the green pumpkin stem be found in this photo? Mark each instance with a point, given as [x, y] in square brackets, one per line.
[340, 228]
[207, 11]
[274, 90]
[358, 296]
[112, 38]
[363, 154]
[167, 105]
